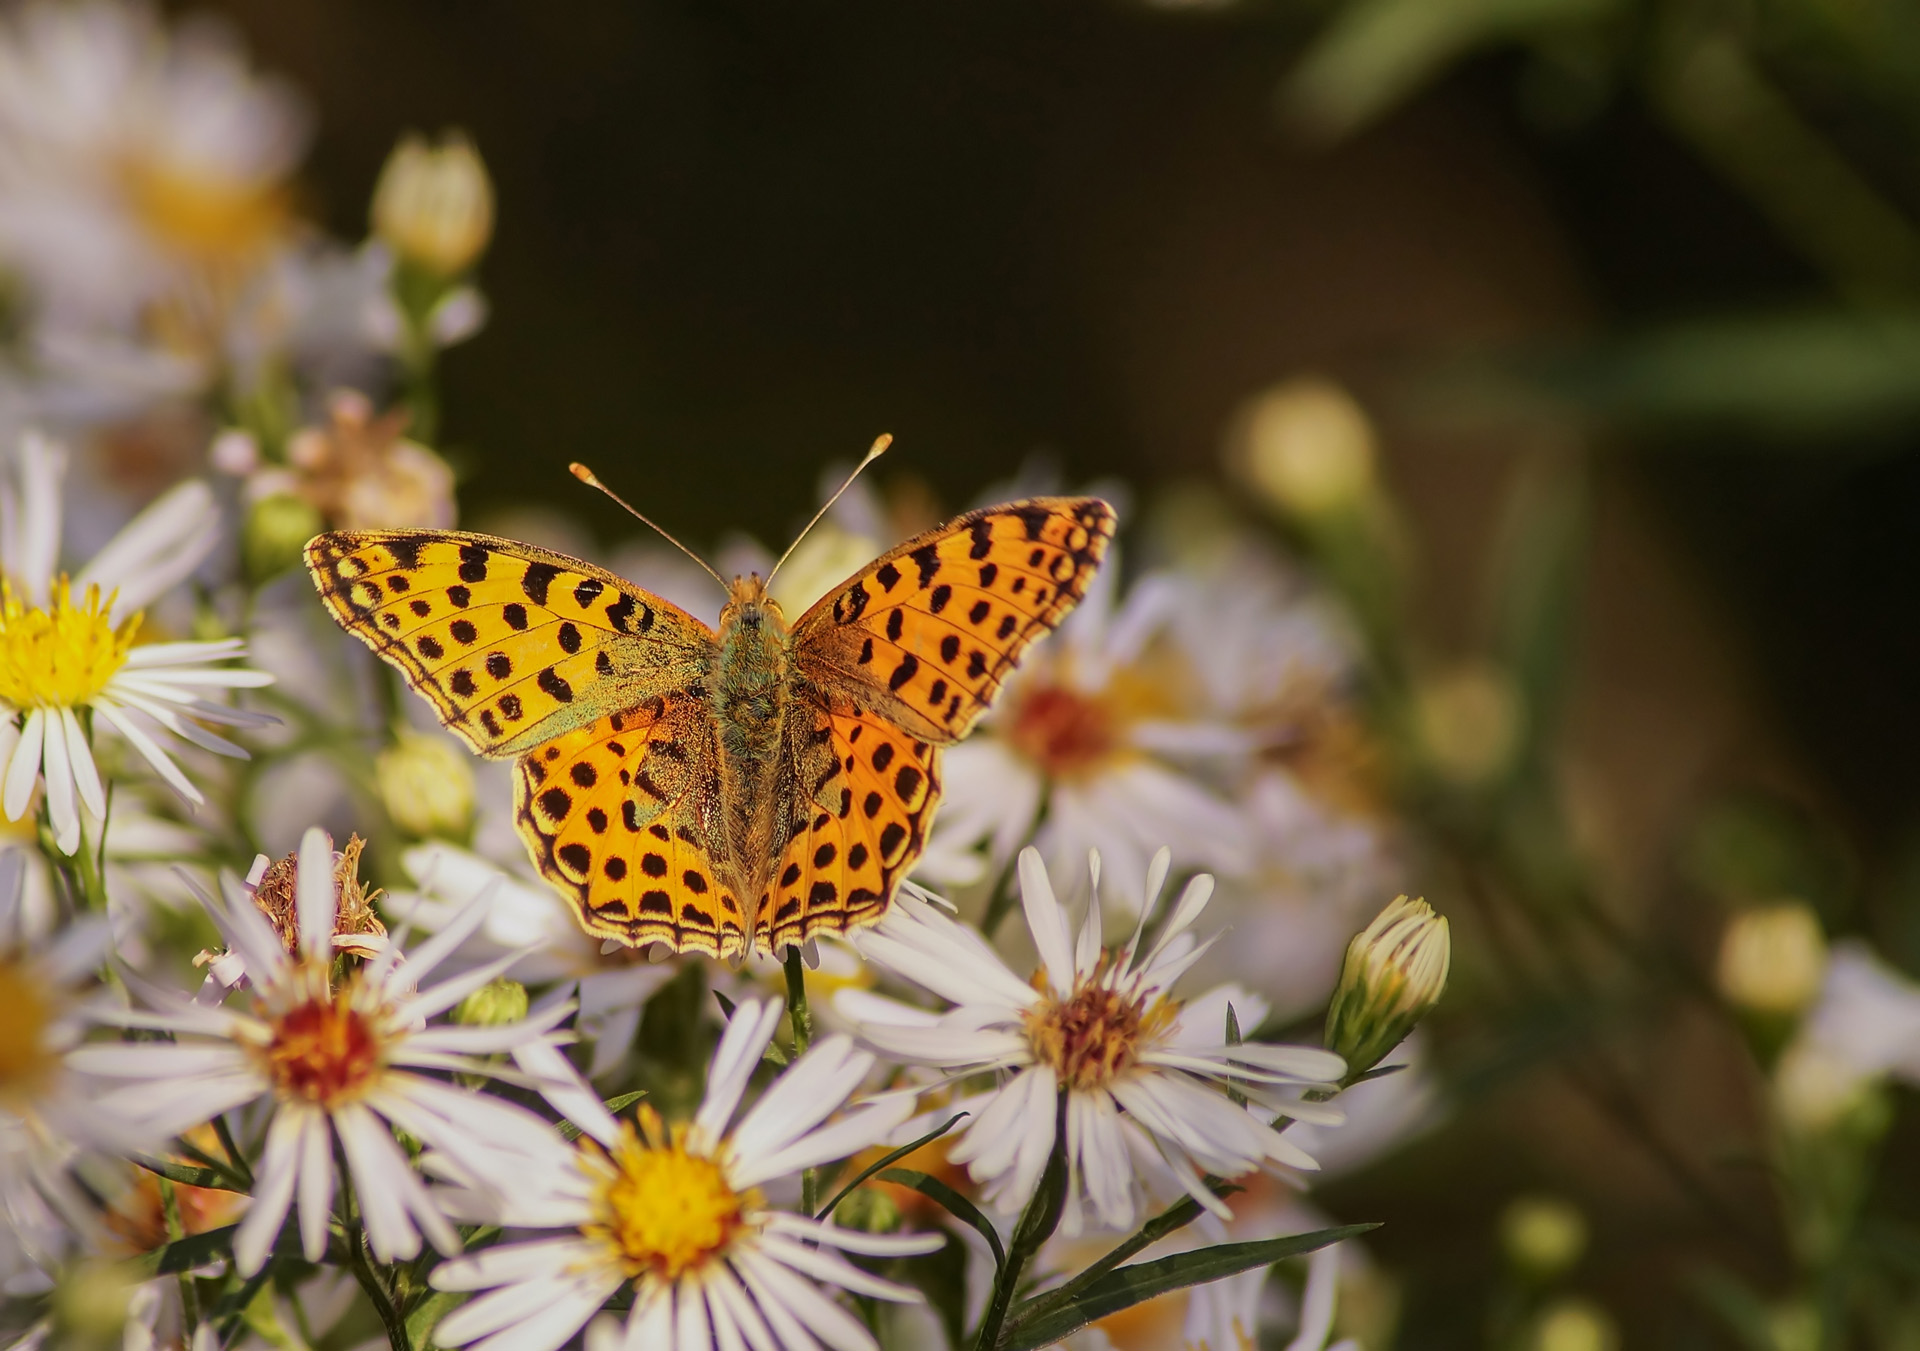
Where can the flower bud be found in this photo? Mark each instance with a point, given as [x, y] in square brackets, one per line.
[1307, 447]
[1773, 959]
[1574, 1325]
[433, 204]
[427, 786]
[277, 530]
[1543, 1235]
[1395, 971]
[498, 1002]
[1816, 1091]
[869, 1210]
[1469, 721]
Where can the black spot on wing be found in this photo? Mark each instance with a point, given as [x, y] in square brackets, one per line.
[539, 577]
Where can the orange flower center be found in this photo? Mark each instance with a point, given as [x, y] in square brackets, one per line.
[25, 1013]
[1094, 1036]
[325, 1051]
[1061, 730]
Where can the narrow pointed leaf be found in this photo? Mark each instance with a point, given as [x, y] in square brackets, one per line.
[954, 1203]
[887, 1161]
[1125, 1287]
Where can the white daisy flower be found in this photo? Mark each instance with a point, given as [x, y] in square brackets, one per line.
[48, 1114]
[677, 1216]
[1100, 740]
[527, 921]
[67, 647]
[1095, 1039]
[329, 1061]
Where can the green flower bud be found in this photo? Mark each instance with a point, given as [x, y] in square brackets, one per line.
[1395, 971]
[1773, 959]
[276, 532]
[427, 786]
[1575, 1325]
[90, 1305]
[497, 1002]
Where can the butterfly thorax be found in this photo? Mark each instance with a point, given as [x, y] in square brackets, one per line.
[750, 689]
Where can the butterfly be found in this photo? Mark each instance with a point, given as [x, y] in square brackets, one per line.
[715, 792]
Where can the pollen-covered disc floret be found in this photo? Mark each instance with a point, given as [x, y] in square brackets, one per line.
[1096, 1040]
[664, 1209]
[676, 1216]
[68, 660]
[335, 1060]
[1094, 1036]
[63, 655]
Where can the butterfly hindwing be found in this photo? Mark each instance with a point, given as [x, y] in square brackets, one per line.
[927, 633]
[621, 816]
[857, 827]
[512, 644]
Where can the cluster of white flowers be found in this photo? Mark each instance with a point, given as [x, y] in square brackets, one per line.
[226, 1060]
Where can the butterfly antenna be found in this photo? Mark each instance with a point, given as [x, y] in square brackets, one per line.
[878, 449]
[586, 476]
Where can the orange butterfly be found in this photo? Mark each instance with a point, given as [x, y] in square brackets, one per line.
[715, 792]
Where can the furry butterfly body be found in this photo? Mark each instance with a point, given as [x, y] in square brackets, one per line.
[717, 791]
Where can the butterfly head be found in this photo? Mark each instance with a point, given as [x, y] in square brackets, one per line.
[750, 607]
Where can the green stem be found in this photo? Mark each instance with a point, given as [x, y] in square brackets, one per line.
[356, 1245]
[177, 1230]
[801, 1017]
[1037, 1223]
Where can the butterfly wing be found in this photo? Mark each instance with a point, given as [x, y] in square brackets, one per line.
[852, 838]
[926, 635]
[512, 644]
[902, 660]
[622, 815]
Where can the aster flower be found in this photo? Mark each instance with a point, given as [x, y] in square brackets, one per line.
[359, 472]
[678, 1216]
[48, 1117]
[329, 1062]
[67, 647]
[1141, 1073]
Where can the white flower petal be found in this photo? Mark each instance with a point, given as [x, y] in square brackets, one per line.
[316, 898]
[86, 776]
[23, 770]
[1047, 921]
[156, 549]
[734, 1061]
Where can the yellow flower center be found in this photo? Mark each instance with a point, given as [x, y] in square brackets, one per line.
[210, 215]
[62, 656]
[1093, 1037]
[663, 1209]
[25, 1012]
[326, 1051]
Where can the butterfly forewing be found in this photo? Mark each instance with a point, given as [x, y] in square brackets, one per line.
[512, 644]
[621, 816]
[928, 633]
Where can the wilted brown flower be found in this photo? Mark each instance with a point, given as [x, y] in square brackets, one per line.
[357, 930]
[361, 473]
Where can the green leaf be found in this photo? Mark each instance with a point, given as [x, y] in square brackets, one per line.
[887, 1161]
[428, 1313]
[185, 1174]
[195, 1250]
[1174, 1218]
[1125, 1287]
[615, 1105]
[956, 1205]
